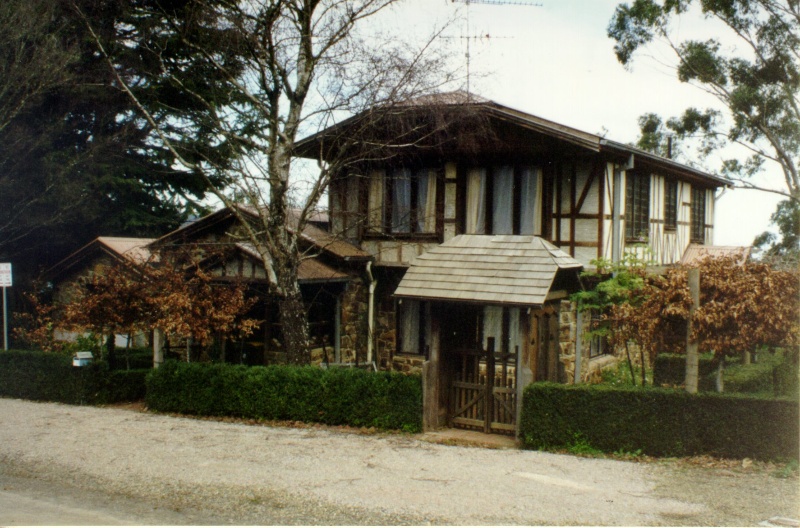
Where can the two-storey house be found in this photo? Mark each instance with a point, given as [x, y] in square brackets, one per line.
[479, 219]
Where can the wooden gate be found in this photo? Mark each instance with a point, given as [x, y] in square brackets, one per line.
[483, 394]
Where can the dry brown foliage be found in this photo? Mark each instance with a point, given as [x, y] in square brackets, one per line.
[742, 306]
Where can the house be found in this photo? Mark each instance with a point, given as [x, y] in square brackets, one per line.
[479, 218]
[217, 243]
[329, 266]
[93, 258]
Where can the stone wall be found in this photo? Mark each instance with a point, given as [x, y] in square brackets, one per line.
[354, 322]
[408, 363]
[590, 367]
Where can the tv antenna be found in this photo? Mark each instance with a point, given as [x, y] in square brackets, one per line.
[487, 36]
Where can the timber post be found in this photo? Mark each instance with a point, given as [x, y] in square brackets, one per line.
[692, 358]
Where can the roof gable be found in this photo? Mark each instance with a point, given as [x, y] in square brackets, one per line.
[471, 106]
[225, 218]
[121, 249]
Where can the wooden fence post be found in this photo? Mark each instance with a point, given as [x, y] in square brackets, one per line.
[692, 358]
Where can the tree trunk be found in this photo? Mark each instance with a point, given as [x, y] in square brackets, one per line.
[294, 325]
[692, 358]
[294, 320]
[630, 364]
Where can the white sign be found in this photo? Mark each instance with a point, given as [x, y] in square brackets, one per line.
[5, 274]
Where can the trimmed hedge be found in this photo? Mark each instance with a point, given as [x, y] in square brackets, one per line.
[46, 376]
[335, 396]
[659, 422]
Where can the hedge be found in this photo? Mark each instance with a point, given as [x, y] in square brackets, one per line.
[335, 396]
[659, 422]
[47, 376]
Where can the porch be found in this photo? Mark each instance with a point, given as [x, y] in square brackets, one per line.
[484, 310]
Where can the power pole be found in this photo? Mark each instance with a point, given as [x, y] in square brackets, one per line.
[469, 37]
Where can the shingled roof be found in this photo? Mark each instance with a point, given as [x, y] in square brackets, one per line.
[122, 249]
[488, 269]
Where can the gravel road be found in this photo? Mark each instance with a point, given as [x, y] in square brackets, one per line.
[234, 473]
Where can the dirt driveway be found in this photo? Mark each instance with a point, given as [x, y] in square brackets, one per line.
[233, 473]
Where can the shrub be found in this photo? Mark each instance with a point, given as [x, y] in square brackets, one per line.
[659, 422]
[384, 400]
[773, 374]
[47, 376]
[138, 358]
[670, 370]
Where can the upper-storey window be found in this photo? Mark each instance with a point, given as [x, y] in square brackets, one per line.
[670, 204]
[698, 216]
[503, 200]
[402, 201]
[637, 207]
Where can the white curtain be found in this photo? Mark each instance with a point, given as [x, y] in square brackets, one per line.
[503, 201]
[409, 326]
[530, 196]
[515, 338]
[493, 326]
[476, 202]
[375, 199]
[426, 201]
[401, 201]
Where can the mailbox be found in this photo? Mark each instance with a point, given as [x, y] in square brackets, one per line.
[82, 359]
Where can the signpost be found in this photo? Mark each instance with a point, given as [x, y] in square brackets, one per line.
[6, 282]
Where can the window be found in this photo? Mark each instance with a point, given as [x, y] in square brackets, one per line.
[502, 324]
[698, 216]
[410, 332]
[671, 204]
[503, 201]
[598, 341]
[407, 205]
[637, 207]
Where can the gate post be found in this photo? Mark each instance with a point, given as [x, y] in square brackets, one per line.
[489, 395]
[430, 407]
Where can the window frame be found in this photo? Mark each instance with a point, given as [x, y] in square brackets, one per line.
[401, 312]
[388, 204]
[671, 204]
[697, 228]
[490, 200]
[637, 206]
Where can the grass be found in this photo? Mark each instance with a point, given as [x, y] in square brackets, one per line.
[755, 379]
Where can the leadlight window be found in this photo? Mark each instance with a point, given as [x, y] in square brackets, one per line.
[637, 207]
[671, 204]
[698, 216]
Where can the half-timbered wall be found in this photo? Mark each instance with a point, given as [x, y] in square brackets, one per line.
[578, 201]
[664, 244]
[578, 208]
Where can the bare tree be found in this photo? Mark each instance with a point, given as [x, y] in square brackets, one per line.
[296, 66]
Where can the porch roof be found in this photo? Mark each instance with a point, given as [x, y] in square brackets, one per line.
[487, 269]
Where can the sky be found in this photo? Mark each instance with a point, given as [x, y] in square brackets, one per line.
[555, 61]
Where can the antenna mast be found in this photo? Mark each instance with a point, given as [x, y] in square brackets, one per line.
[490, 2]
